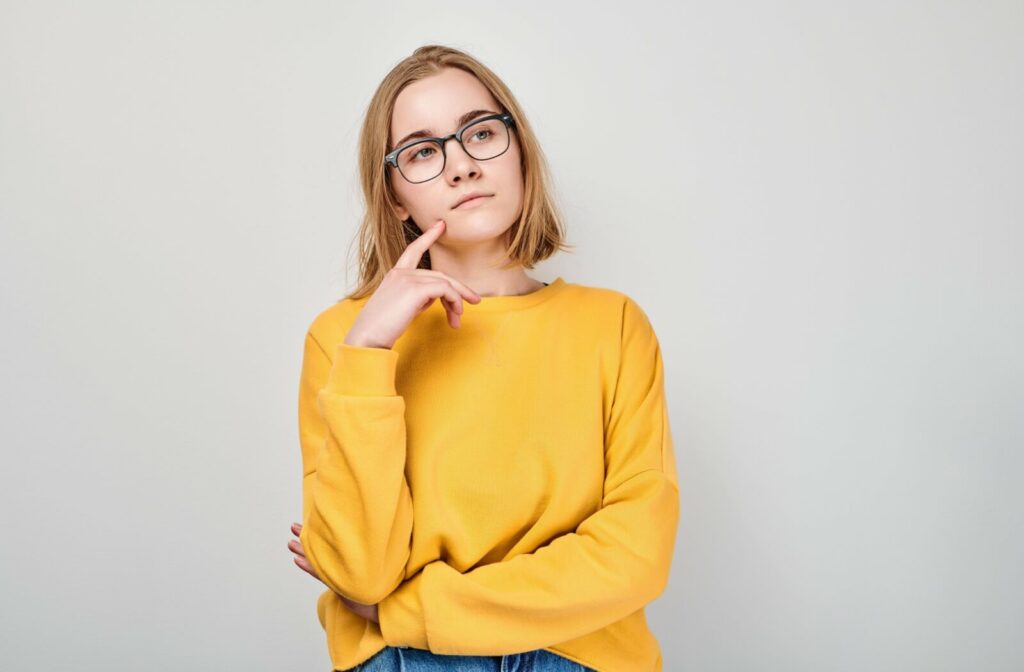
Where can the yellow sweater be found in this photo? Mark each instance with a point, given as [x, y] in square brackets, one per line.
[497, 488]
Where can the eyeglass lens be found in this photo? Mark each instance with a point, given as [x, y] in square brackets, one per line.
[424, 160]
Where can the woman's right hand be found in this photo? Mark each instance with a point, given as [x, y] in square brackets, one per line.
[405, 292]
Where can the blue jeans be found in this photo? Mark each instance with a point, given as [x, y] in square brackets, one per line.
[397, 659]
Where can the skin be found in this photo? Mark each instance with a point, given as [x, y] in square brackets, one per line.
[367, 611]
[474, 241]
[467, 246]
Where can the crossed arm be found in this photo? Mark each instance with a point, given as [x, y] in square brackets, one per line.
[616, 561]
[367, 611]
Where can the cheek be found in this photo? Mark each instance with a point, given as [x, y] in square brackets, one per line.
[512, 172]
[400, 193]
[416, 201]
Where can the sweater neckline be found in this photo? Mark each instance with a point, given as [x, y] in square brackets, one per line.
[514, 301]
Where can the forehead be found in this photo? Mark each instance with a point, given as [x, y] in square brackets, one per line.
[434, 103]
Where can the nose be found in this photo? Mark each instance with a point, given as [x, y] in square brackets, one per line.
[458, 163]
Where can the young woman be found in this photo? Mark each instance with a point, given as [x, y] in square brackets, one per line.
[489, 481]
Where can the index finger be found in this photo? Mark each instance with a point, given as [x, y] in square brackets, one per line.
[410, 258]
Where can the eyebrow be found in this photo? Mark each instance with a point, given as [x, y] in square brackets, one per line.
[461, 121]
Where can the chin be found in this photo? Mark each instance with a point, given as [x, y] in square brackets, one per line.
[475, 227]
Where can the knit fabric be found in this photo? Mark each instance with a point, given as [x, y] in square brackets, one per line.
[502, 487]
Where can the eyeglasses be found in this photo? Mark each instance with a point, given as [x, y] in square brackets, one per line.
[488, 137]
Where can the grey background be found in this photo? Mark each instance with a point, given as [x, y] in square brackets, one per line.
[818, 204]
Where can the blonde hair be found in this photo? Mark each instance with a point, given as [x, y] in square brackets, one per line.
[537, 234]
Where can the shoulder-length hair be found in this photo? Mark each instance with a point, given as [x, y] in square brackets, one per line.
[536, 235]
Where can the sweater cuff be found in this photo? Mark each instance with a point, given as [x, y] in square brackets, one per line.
[402, 622]
[363, 371]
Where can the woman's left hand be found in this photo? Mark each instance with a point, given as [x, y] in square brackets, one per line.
[367, 611]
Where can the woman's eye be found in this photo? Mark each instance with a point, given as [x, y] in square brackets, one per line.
[425, 149]
[480, 131]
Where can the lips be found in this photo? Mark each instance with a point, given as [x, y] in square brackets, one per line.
[470, 198]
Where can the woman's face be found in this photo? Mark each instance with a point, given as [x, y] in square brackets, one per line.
[435, 104]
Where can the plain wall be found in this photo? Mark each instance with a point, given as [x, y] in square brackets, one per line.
[818, 204]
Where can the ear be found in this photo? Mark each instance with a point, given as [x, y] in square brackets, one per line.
[402, 213]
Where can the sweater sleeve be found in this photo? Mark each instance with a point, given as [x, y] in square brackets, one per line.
[357, 512]
[616, 561]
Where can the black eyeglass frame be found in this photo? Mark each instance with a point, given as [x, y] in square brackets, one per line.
[392, 157]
